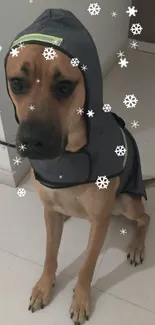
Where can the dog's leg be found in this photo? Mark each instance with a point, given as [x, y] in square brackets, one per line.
[42, 292]
[81, 304]
[133, 209]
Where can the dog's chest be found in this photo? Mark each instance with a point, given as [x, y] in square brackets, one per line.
[66, 201]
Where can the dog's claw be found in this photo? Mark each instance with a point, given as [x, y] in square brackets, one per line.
[71, 315]
[128, 255]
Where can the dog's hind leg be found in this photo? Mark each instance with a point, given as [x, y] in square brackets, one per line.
[133, 209]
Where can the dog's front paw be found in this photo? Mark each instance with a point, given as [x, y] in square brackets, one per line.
[81, 304]
[42, 293]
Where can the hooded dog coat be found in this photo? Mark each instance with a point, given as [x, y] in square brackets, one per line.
[111, 150]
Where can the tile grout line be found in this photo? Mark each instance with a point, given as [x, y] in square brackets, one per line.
[131, 303]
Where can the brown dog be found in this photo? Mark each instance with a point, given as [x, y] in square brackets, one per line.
[84, 201]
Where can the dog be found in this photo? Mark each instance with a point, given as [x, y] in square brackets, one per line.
[56, 90]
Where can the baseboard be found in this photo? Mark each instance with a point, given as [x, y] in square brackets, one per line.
[14, 179]
[145, 46]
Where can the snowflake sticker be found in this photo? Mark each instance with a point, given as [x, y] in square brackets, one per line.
[22, 147]
[21, 46]
[94, 9]
[136, 29]
[49, 53]
[37, 81]
[84, 67]
[114, 14]
[123, 231]
[31, 107]
[102, 182]
[17, 161]
[1, 48]
[106, 108]
[132, 11]
[120, 151]
[80, 110]
[120, 54]
[21, 192]
[90, 113]
[134, 44]
[130, 101]
[14, 52]
[135, 124]
[123, 62]
[75, 62]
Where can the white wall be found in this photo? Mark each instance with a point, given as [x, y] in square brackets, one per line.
[109, 34]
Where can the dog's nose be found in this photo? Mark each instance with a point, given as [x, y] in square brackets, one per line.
[38, 137]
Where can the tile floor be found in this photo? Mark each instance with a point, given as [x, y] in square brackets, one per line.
[121, 293]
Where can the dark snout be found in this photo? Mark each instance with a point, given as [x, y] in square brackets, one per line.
[38, 140]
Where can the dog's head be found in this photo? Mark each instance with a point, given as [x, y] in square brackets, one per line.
[47, 95]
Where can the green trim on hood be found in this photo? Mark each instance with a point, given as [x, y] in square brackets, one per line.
[38, 37]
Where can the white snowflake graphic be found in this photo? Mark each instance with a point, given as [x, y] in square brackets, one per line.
[134, 44]
[31, 1]
[106, 108]
[75, 62]
[37, 81]
[14, 52]
[114, 14]
[31, 107]
[55, 42]
[84, 67]
[60, 176]
[90, 113]
[21, 46]
[80, 110]
[49, 53]
[136, 29]
[123, 62]
[102, 182]
[130, 101]
[123, 231]
[120, 151]
[120, 54]
[135, 124]
[21, 192]
[22, 147]
[1, 48]
[17, 161]
[132, 11]
[94, 9]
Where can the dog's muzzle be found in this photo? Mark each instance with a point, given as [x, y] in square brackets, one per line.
[38, 140]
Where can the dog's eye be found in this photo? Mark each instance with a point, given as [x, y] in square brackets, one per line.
[64, 89]
[18, 85]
